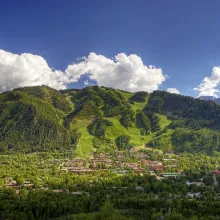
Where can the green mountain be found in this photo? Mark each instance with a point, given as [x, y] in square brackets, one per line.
[103, 119]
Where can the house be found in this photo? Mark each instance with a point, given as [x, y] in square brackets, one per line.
[216, 172]
[145, 162]
[80, 170]
[159, 178]
[169, 160]
[155, 163]
[64, 169]
[100, 161]
[77, 162]
[124, 164]
[76, 193]
[11, 183]
[28, 184]
[139, 170]
[122, 171]
[174, 174]
[44, 188]
[194, 195]
[194, 183]
[58, 190]
[132, 165]
[140, 155]
[170, 166]
[152, 173]
[108, 164]
[156, 167]
[139, 188]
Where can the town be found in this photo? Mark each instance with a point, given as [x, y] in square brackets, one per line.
[121, 163]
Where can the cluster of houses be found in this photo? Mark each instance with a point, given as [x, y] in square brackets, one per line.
[11, 183]
[121, 164]
[105, 162]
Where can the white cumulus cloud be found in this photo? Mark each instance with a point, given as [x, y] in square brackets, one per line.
[28, 70]
[208, 86]
[173, 90]
[123, 72]
[88, 83]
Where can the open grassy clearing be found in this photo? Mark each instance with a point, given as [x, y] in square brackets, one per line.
[68, 98]
[112, 132]
[126, 95]
[163, 121]
[85, 145]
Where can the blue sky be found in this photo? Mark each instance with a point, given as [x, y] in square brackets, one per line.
[180, 37]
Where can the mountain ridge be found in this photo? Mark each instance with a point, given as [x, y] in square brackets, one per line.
[210, 98]
[94, 119]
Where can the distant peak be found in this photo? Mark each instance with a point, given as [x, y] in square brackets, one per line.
[208, 97]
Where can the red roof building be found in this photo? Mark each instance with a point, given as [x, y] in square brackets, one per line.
[216, 172]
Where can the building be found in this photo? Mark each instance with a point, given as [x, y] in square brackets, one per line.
[174, 174]
[216, 172]
[194, 183]
[156, 167]
[145, 162]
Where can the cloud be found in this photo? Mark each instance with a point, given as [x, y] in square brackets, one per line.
[88, 83]
[173, 90]
[123, 72]
[208, 86]
[28, 70]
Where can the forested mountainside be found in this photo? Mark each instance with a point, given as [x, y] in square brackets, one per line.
[103, 119]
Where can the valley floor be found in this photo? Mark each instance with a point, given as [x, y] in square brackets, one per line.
[52, 185]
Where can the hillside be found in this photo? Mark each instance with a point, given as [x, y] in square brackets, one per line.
[103, 119]
[29, 123]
